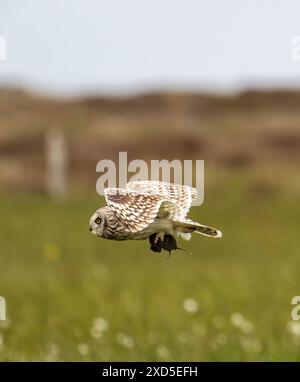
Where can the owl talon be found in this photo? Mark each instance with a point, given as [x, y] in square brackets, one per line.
[169, 243]
[159, 236]
[157, 244]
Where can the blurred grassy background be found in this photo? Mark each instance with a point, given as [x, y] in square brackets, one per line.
[72, 296]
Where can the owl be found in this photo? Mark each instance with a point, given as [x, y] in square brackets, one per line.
[151, 210]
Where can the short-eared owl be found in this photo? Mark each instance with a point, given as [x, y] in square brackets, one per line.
[148, 209]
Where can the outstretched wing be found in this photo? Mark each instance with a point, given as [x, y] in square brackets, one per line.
[136, 210]
[140, 203]
[178, 198]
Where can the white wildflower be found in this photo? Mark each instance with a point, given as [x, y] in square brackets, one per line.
[163, 351]
[100, 325]
[240, 322]
[293, 327]
[250, 344]
[190, 305]
[125, 340]
[53, 353]
[220, 340]
[83, 349]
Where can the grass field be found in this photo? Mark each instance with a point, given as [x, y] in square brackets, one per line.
[72, 296]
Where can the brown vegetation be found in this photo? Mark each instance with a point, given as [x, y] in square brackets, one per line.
[243, 130]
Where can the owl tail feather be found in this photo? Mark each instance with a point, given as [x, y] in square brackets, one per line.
[190, 226]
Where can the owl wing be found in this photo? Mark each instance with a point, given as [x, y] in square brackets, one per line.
[140, 203]
[136, 210]
[177, 198]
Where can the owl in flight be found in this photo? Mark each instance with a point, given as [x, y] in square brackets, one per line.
[149, 210]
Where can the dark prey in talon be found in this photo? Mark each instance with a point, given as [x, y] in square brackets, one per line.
[169, 244]
[156, 245]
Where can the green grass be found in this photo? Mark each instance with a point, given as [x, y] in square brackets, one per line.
[58, 279]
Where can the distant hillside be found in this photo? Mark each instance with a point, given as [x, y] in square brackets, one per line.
[250, 129]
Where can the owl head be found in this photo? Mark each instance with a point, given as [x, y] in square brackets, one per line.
[98, 222]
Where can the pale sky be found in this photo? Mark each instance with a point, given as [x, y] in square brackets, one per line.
[75, 46]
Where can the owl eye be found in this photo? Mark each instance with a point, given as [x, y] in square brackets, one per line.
[98, 221]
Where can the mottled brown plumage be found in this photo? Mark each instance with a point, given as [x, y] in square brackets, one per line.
[146, 208]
